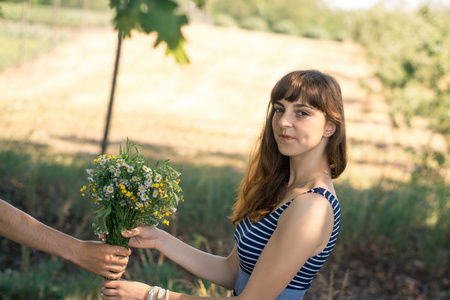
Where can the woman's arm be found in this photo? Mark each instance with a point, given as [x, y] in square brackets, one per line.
[105, 260]
[216, 269]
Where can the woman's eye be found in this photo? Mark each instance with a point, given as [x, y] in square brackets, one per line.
[278, 110]
[302, 113]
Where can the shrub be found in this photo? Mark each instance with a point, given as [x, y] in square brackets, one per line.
[316, 32]
[225, 20]
[285, 27]
[255, 23]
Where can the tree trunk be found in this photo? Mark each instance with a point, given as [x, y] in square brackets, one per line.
[111, 99]
[24, 31]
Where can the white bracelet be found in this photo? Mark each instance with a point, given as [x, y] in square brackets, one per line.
[160, 294]
[167, 294]
[151, 292]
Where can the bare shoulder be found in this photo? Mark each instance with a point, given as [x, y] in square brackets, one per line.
[308, 207]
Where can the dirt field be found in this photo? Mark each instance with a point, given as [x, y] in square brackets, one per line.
[209, 111]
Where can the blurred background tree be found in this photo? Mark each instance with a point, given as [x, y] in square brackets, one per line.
[160, 16]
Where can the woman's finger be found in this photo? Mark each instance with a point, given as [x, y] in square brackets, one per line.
[133, 232]
[110, 284]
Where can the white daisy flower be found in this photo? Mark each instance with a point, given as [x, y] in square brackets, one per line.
[148, 176]
[148, 183]
[155, 194]
[146, 169]
[90, 172]
[117, 173]
[158, 178]
[144, 197]
[110, 189]
[130, 169]
[141, 189]
[90, 179]
[122, 202]
[111, 169]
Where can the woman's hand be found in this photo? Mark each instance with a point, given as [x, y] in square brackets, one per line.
[143, 237]
[122, 289]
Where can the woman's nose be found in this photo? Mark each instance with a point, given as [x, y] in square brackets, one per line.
[284, 122]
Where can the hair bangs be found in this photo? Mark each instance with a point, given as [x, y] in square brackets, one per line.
[298, 87]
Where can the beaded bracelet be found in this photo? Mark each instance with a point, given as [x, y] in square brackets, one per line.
[151, 292]
[159, 296]
[146, 292]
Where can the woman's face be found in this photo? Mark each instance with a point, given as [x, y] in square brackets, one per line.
[298, 128]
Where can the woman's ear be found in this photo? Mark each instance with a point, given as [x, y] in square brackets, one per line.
[330, 129]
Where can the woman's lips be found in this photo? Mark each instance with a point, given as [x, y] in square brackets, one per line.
[286, 137]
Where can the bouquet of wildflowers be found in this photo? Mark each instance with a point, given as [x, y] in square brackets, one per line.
[130, 193]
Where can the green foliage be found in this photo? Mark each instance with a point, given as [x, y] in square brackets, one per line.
[160, 16]
[48, 280]
[411, 56]
[40, 40]
[411, 217]
[66, 17]
[404, 216]
[286, 27]
[225, 20]
[291, 17]
[93, 4]
[254, 23]
[316, 32]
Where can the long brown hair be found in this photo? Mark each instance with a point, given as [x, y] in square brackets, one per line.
[267, 172]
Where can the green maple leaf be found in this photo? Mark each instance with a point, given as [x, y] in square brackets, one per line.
[158, 16]
[162, 18]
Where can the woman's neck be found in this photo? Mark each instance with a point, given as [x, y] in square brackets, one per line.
[306, 168]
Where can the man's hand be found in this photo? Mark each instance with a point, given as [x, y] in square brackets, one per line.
[105, 260]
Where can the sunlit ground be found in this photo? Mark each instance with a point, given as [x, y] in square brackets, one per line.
[209, 111]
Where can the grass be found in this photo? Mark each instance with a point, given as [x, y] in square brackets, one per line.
[402, 217]
[23, 42]
[65, 17]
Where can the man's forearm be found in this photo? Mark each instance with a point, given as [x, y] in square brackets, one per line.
[26, 230]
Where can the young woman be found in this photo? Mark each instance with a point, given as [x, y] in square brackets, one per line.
[286, 216]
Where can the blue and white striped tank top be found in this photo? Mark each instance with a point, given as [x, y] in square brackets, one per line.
[251, 238]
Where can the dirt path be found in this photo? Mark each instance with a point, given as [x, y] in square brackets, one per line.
[210, 110]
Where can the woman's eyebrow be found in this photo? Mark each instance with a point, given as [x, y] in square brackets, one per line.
[303, 105]
[278, 102]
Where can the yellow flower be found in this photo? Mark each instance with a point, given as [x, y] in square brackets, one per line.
[166, 222]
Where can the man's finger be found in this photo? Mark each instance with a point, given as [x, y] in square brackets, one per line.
[118, 250]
